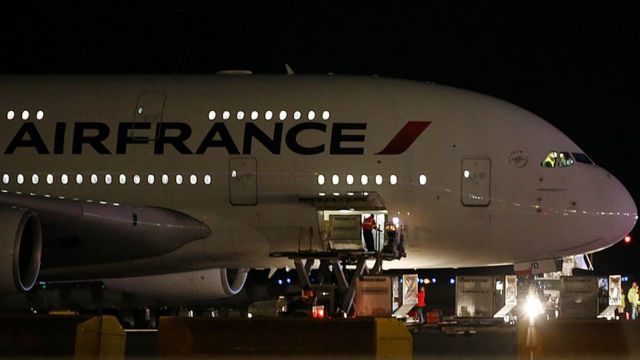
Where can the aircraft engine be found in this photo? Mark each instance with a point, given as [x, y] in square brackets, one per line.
[193, 285]
[20, 249]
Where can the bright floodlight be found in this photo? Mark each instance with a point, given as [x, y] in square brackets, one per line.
[533, 307]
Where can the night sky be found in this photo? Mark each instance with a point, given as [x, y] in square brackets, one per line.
[575, 64]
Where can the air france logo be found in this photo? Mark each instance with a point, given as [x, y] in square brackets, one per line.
[303, 139]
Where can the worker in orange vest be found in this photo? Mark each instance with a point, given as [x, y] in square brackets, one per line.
[367, 231]
[308, 297]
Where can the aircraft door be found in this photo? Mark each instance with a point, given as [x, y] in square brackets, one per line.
[476, 182]
[243, 181]
[148, 113]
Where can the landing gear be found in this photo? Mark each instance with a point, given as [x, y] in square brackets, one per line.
[337, 274]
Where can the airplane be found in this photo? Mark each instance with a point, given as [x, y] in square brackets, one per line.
[176, 185]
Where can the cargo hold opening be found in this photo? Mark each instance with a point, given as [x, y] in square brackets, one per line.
[340, 218]
[341, 229]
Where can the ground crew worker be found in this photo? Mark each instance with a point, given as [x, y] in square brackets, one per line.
[301, 302]
[308, 296]
[392, 241]
[421, 304]
[622, 314]
[634, 301]
[367, 231]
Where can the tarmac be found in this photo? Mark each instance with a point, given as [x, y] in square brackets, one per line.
[487, 342]
[48, 337]
[557, 339]
[491, 342]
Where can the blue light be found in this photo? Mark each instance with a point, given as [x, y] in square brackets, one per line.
[452, 281]
[279, 281]
[288, 280]
[421, 281]
[400, 281]
[433, 280]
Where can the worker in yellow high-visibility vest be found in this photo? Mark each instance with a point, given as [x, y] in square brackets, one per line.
[634, 300]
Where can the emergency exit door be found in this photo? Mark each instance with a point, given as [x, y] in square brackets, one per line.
[476, 182]
[243, 182]
[147, 114]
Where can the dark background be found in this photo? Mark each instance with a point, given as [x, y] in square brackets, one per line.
[575, 64]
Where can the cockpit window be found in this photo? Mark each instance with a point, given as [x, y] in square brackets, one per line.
[557, 159]
[582, 158]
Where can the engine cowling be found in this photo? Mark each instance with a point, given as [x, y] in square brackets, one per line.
[193, 285]
[20, 249]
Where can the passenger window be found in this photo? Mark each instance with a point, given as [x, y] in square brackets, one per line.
[557, 159]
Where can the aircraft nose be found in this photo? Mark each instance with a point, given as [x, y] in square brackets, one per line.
[622, 209]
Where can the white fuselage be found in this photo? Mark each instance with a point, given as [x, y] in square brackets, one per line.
[487, 199]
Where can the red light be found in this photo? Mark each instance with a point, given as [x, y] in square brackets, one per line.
[318, 312]
[627, 239]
